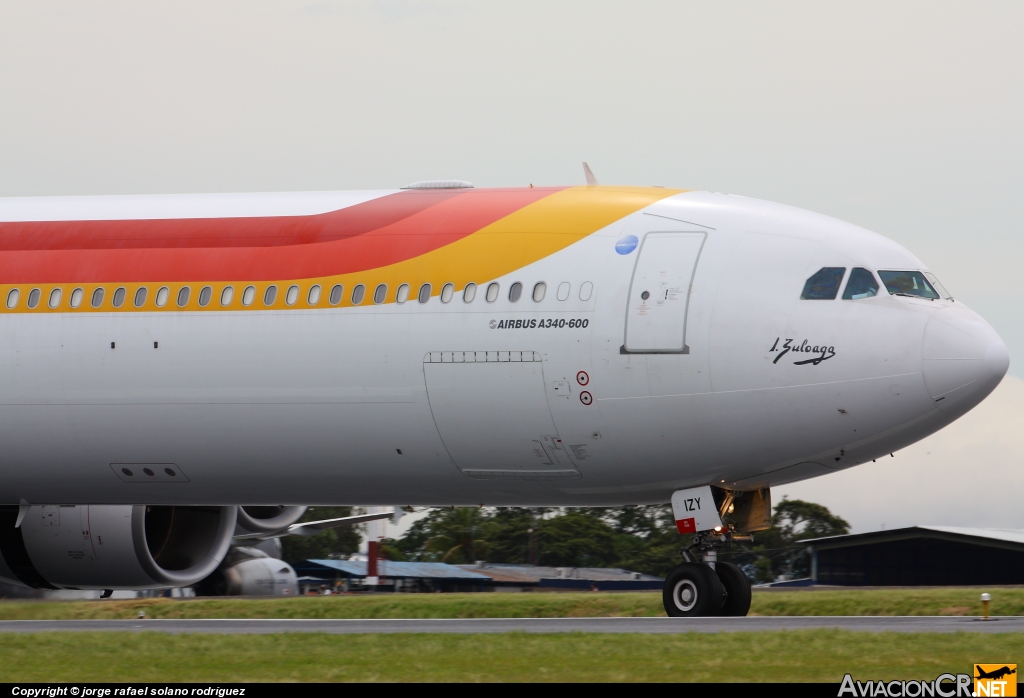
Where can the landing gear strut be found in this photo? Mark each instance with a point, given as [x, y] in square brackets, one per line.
[703, 586]
[707, 587]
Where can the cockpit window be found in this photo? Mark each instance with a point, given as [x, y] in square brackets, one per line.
[862, 284]
[908, 283]
[937, 286]
[824, 285]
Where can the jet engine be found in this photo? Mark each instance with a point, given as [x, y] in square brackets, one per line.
[113, 546]
[267, 519]
[256, 570]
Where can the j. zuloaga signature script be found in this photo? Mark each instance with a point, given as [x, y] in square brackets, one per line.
[824, 352]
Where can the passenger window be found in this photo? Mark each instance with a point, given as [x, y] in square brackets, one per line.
[270, 295]
[908, 283]
[205, 294]
[586, 290]
[76, 297]
[336, 294]
[140, 297]
[33, 298]
[183, 294]
[563, 291]
[403, 294]
[226, 295]
[515, 291]
[447, 291]
[469, 293]
[424, 294]
[119, 297]
[862, 284]
[357, 294]
[161, 296]
[539, 289]
[824, 285]
[292, 295]
[54, 298]
[97, 297]
[12, 298]
[314, 295]
[248, 295]
[492, 292]
[380, 293]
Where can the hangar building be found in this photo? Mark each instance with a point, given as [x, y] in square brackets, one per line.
[920, 556]
[404, 576]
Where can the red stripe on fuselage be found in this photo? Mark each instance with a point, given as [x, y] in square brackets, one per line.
[447, 216]
[264, 231]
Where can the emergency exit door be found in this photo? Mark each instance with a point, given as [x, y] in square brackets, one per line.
[659, 294]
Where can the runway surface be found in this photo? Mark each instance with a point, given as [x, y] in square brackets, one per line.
[900, 624]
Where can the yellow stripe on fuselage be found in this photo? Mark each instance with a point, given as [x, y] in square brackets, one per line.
[530, 234]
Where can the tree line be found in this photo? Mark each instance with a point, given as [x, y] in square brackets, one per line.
[638, 538]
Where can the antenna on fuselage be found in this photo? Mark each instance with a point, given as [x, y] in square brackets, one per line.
[591, 179]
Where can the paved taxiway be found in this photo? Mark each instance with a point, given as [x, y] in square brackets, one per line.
[903, 624]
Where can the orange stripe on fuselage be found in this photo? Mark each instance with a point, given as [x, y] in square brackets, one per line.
[373, 234]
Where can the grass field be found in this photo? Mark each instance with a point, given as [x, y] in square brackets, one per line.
[820, 602]
[813, 655]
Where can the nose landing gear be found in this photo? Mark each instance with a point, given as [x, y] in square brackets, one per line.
[703, 586]
[708, 587]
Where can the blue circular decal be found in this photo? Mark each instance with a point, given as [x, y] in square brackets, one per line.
[626, 245]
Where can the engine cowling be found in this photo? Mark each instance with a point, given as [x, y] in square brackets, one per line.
[113, 546]
[267, 519]
[252, 571]
[261, 577]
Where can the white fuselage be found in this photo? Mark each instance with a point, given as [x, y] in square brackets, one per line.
[483, 402]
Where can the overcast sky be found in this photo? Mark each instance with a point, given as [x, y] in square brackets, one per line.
[906, 118]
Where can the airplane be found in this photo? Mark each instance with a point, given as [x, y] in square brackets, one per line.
[178, 370]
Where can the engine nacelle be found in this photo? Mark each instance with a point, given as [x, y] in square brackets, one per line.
[113, 546]
[267, 519]
[252, 571]
[261, 577]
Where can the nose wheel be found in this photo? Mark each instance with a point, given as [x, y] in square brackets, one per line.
[708, 587]
[692, 589]
[737, 589]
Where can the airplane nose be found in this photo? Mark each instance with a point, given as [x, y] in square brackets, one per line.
[963, 359]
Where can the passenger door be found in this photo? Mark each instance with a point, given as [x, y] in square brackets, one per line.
[659, 293]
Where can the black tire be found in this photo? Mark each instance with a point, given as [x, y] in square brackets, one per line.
[692, 589]
[737, 589]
